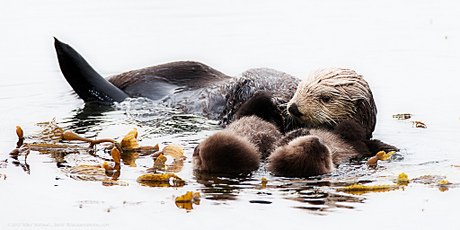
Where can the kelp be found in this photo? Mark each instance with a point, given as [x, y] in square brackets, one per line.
[160, 180]
[402, 179]
[22, 149]
[187, 200]
[419, 124]
[176, 152]
[402, 116]
[359, 189]
[382, 156]
[105, 172]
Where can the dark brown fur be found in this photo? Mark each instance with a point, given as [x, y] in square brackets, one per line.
[304, 156]
[262, 106]
[310, 152]
[226, 153]
[238, 148]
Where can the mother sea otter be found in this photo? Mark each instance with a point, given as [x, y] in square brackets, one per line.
[323, 100]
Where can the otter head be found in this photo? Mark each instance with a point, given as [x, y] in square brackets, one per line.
[330, 96]
[225, 153]
[303, 157]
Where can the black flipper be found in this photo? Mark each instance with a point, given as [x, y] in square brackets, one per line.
[376, 145]
[85, 81]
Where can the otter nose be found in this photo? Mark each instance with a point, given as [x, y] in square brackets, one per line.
[294, 110]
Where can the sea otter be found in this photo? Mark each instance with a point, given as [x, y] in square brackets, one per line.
[190, 86]
[239, 148]
[322, 101]
[310, 152]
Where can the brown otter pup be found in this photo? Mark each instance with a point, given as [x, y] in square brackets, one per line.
[239, 147]
[310, 152]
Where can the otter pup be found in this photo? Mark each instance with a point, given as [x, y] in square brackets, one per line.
[310, 152]
[239, 147]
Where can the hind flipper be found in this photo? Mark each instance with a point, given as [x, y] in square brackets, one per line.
[85, 81]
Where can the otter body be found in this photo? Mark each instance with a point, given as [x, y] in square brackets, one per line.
[192, 87]
[311, 152]
[239, 148]
[322, 101]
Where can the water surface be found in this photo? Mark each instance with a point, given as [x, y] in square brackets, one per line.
[408, 51]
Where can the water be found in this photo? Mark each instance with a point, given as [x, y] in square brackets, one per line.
[408, 51]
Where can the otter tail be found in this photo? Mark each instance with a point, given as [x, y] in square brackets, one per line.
[85, 81]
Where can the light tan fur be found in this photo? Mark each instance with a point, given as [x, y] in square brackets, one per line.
[329, 96]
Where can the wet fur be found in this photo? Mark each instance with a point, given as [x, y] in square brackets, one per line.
[333, 95]
[238, 148]
[253, 135]
[309, 152]
[262, 106]
[226, 153]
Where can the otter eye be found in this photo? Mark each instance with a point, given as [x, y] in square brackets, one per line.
[325, 98]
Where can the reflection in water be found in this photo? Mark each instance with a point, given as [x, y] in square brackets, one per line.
[85, 120]
[222, 188]
[318, 194]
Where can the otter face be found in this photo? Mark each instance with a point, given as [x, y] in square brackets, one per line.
[333, 95]
[302, 157]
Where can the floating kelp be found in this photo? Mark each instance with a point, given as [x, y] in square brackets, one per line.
[71, 136]
[106, 173]
[129, 143]
[382, 155]
[428, 179]
[159, 163]
[359, 189]
[112, 182]
[435, 181]
[20, 149]
[187, 200]
[263, 183]
[402, 116]
[3, 176]
[419, 124]
[176, 152]
[402, 179]
[50, 132]
[160, 180]
[86, 172]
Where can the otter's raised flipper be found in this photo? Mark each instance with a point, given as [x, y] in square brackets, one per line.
[154, 82]
[85, 81]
